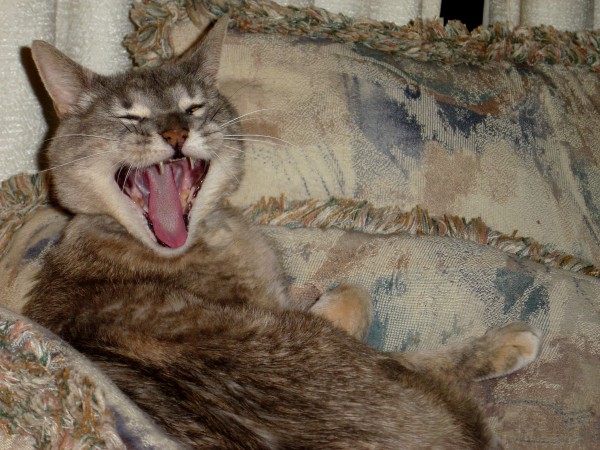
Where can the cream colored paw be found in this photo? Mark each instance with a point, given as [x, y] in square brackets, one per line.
[348, 307]
[513, 347]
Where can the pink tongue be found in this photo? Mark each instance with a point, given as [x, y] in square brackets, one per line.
[164, 208]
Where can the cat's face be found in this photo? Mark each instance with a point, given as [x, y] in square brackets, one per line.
[155, 149]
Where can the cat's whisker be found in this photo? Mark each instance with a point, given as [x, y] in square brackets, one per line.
[233, 148]
[220, 128]
[126, 127]
[237, 150]
[263, 141]
[106, 138]
[259, 136]
[119, 171]
[77, 160]
[234, 121]
[224, 166]
[229, 122]
[234, 94]
[126, 177]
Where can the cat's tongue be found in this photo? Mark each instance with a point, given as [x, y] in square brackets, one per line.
[164, 207]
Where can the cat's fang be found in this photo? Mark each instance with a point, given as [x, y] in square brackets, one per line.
[155, 190]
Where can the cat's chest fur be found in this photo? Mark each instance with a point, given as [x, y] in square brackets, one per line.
[98, 273]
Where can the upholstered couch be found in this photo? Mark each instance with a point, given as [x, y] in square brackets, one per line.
[455, 175]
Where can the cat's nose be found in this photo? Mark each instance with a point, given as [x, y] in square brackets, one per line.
[176, 138]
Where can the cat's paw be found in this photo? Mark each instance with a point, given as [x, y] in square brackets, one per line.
[511, 348]
[348, 307]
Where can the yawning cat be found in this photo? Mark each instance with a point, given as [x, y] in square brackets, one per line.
[180, 301]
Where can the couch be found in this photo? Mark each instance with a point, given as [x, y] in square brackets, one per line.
[454, 174]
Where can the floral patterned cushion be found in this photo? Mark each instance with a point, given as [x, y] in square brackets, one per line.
[428, 290]
[518, 148]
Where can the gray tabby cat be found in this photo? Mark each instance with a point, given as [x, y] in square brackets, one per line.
[180, 301]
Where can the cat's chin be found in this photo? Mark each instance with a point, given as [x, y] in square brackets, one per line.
[164, 195]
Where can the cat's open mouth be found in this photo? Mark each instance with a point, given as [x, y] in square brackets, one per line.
[165, 192]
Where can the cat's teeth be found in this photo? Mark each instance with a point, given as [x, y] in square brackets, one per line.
[161, 167]
[139, 201]
[190, 162]
[183, 199]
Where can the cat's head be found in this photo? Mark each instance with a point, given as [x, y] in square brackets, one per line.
[156, 149]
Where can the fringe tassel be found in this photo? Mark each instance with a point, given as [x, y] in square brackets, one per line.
[424, 40]
[354, 215]
[21, 194]
[67, 411]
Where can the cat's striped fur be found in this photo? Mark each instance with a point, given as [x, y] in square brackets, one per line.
[189, 316]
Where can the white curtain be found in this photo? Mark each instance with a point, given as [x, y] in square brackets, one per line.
[90, 31]
[573, 15]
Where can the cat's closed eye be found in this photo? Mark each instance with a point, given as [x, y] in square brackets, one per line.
[131, 117]
[196, 108]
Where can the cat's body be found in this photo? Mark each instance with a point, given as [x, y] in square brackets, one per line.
[201, 349]
[189, 315]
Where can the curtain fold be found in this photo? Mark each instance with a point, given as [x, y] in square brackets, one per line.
[22, 126]
[505, 11]
[563, 15]
[90, 31]
[572, 15]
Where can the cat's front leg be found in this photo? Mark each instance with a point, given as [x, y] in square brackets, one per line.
[348, 307]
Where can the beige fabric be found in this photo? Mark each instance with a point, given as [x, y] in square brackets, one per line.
[573, 15]
[16, 442]
[22, 260]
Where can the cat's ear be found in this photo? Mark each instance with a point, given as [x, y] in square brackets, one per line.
[207, 54]
[64, 78]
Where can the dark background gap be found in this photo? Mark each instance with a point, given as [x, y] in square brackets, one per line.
[469, 12]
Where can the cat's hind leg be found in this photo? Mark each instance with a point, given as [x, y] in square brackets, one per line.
[348, 307]
[500, 351]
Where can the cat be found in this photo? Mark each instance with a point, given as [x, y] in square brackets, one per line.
[181, 302]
